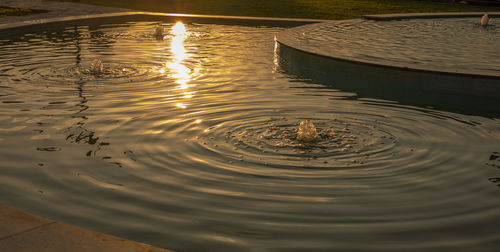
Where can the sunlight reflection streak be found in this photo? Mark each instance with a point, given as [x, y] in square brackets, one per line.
[179, 71]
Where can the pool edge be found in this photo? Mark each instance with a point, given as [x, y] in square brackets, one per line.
[22, 231]
[157, 14]
[397, 16]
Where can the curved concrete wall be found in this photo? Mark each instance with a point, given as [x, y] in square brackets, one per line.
[465, 92]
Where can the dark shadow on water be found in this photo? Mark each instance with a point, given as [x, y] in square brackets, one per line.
[462, 94]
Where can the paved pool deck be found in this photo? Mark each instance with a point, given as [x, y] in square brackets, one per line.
[21, 231]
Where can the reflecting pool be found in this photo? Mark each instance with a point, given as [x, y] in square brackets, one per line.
[189, 141]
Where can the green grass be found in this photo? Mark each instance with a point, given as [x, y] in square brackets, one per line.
[321, 9]
[345, 9]
[8, 11]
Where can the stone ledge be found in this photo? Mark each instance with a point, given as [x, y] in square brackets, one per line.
[387, 17]
[20, 231]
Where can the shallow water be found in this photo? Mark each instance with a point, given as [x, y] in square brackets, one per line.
[189, 143]
[445, 44]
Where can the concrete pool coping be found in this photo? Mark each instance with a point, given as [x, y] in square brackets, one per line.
[152, 14]
[387, 17]
[21, 231]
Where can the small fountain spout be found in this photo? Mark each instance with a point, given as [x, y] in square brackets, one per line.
[97, 67]
[485, 20]
[159, 32]
[307, 132]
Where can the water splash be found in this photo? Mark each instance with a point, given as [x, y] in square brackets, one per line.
[485, 20]
[159, 32]
[97, 68]
[307, 132]
[308, 136]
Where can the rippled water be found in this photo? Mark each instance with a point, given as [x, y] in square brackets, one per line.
[444, 44]
[189, 143]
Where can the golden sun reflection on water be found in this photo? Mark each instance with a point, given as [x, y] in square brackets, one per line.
[179, 29]
[177, 67]
[181, 105]
[178, 48]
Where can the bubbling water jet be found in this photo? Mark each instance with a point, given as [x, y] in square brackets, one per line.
[159, 32]
[97, 68]
[485, 20]
[307, 132]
